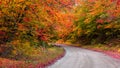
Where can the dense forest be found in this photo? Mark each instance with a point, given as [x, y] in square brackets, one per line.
[29, 26]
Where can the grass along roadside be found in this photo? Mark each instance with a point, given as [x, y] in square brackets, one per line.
[40, 60]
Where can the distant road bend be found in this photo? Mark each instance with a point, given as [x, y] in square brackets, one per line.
[83, 58]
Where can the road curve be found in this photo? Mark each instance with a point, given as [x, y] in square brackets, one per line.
[83, 58]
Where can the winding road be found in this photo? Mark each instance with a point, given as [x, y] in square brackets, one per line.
[83, 58]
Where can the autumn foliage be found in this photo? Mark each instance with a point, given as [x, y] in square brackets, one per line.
[27, 24]
[97, 21]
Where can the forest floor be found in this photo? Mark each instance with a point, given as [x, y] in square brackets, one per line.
[45, 58]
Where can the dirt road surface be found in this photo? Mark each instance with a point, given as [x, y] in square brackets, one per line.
[83, 58]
